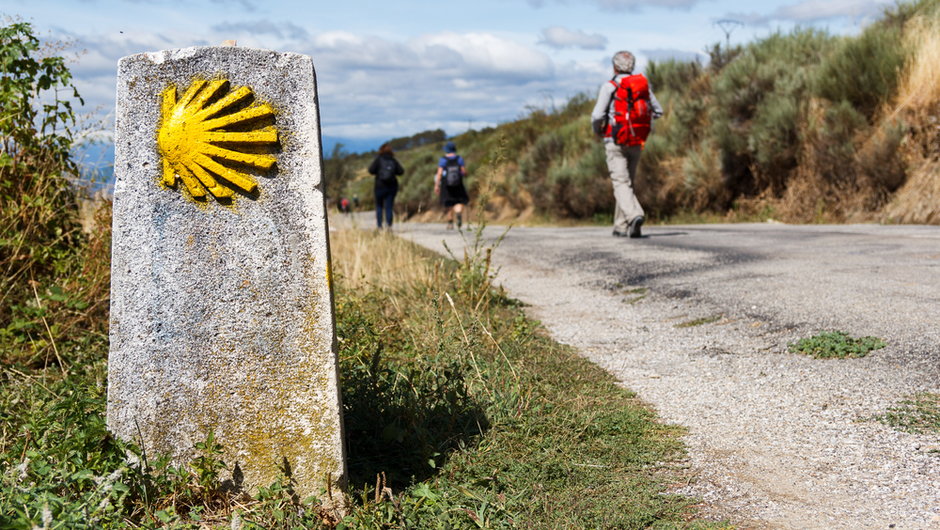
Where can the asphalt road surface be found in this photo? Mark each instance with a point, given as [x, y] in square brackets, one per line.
[697, 319]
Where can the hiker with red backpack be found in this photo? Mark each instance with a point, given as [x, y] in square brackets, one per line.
[385, 168]
[448, 183]
[623, 116]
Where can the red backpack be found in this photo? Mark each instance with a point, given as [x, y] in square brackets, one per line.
[632, 114]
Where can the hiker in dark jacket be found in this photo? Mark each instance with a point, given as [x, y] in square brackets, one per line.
[385, 168]
[448, 183]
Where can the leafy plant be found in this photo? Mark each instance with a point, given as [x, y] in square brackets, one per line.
[836, 345]
[863, 70]
[511, 463]
[41, 243]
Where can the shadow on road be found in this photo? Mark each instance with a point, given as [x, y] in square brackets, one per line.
[664, 234]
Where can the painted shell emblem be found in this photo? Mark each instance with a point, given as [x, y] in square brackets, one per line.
[211, 138]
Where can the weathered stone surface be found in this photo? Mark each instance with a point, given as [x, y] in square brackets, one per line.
[222, 314]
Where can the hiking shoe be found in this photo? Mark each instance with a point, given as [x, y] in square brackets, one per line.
[634, 229]
[618, 233]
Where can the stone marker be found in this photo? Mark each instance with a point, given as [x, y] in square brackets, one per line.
[221, 303]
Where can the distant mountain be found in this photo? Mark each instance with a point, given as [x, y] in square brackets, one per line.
[95, 160]
[351, 145]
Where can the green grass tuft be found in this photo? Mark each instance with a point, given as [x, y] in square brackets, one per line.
[920, 414]
[699, 321]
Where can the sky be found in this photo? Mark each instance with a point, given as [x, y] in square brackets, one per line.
[387, 69]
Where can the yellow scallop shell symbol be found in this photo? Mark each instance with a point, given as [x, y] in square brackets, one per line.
[211, 135]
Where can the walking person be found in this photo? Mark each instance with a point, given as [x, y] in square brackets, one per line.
[623, 116]
[448, 183]
[386, 170]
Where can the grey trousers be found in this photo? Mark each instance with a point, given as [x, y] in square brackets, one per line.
[622, 162]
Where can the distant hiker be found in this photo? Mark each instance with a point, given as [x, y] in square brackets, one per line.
[623, 116]
[385, 168]
[448, 183]
[344, 205]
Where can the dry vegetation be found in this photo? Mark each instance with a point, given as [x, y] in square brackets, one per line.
[918, 104]
[368, 263]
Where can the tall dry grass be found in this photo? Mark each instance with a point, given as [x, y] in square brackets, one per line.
[919, 87]
[918, 106]
[379, 260]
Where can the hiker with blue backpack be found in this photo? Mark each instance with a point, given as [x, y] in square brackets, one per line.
[623, 116]
[448, 183]
[386, 169]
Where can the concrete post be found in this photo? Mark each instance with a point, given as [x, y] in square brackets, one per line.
[221, 303]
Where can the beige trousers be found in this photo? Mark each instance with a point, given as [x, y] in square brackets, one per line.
[622, 162]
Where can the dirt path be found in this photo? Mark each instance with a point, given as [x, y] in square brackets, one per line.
[776, 440]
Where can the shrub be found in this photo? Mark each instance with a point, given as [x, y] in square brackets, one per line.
[673, 75]
[42, 248]
[758, 105]
[863, 70]
[836, 345]
[703, 180]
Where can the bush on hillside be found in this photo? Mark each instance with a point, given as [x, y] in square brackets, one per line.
[673, 75]
[863, 70]
[757, 108]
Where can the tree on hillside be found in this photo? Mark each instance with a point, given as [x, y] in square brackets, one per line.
[337, 171]
[419, 139]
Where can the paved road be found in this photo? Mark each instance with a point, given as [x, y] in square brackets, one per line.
[775, 439]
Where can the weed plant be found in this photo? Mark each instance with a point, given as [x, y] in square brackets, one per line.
[920, 414]
[699, 321]
[460, 413]
[836, 345]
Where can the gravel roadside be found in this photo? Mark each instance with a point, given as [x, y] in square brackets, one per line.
[776, 440]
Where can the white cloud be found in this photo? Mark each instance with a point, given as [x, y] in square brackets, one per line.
[560, 37]
[814, 10]
[669, 54]
[486, 55]
[621, 5]
[371, 87]
[809, 11]
[263, 27]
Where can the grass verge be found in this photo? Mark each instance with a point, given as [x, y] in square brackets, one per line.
[486, 422]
